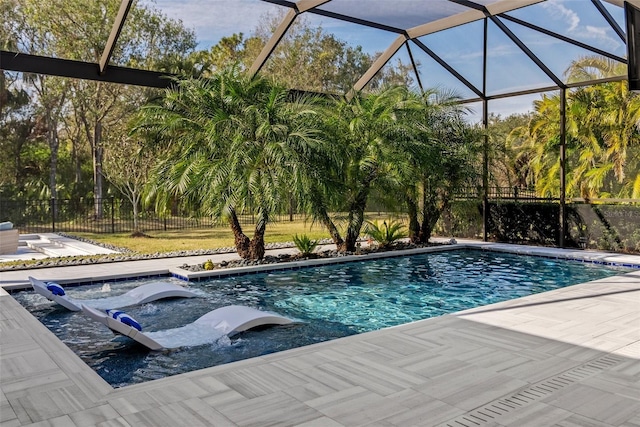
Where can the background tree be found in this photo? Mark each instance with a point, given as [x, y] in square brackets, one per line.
[15, 134]
[603, 145]
[506, 168]
[128, 168]
[539, 152]
[309, 58]
[32, 25]
[232, 144]
[79, 30]
[611, 115]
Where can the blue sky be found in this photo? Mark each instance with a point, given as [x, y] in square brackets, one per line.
[461, 47]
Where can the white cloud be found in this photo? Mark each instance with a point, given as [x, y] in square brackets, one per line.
[503, 50]
[602, 35]
[575, 27]
[558, 10]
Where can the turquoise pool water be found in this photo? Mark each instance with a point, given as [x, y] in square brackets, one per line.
[328, 302]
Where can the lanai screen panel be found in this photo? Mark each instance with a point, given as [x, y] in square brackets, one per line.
[213, 20]
[576, 20]
[30, 29]
[586, 21]
[402, 14]
[462, 47]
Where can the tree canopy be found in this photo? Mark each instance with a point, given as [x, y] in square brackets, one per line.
[603, 138]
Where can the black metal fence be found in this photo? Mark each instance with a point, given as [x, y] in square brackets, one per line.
[516, 194]
[108, 215]
[604, 226]
[114, 215]
[516, 215]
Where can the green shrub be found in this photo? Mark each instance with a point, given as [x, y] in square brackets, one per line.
[304, 244]
[385, 234]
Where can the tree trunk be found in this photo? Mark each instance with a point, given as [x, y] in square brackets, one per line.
[241, 241]
[256, 246]
[77, 165]
[427, 224]
[135, 201]
[432, 212]
[356, 216]
[54, 145]
[423, 228]
[414, 225]
[356, 219]
[320, 214]
[97, 170]
[333, 232]
[331, 227]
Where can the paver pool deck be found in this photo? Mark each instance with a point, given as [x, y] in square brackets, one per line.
[569, 357]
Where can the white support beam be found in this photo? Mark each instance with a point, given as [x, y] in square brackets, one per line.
[273, 42]
[445, 23]
[504, 6]
[377, 65]
[304, 5]
[620, 3]
[118, 23]
[468, 16]
[278, 34]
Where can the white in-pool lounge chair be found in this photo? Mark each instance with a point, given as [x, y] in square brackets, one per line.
[140, 295]
[207, 329]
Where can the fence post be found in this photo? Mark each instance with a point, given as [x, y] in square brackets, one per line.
[290, 208]
[515, 193]
[53, 214]
[113, 215]
[165, 222]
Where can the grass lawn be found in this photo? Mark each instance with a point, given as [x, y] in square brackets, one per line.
[203, 238]
[211, 238]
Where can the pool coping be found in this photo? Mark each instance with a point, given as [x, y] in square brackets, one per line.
[595, 257]
[101, 403]
[599, 258]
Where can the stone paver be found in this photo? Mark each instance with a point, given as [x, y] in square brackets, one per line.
[569, 357]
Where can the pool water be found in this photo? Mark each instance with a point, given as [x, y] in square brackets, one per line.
[327, 302]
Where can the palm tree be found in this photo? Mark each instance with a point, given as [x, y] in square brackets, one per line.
[540, 142]
[505, 168]
[442, 161]
[614, 120]
[231, 144]
[602, 136]
[365, 132]
[393, 142]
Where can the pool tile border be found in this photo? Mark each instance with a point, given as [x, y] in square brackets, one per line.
[598, 258]
[550, 253]
[297, 265]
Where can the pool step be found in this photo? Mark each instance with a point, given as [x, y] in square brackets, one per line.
[54, 245]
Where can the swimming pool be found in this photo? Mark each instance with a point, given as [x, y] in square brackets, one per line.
[329, 302]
